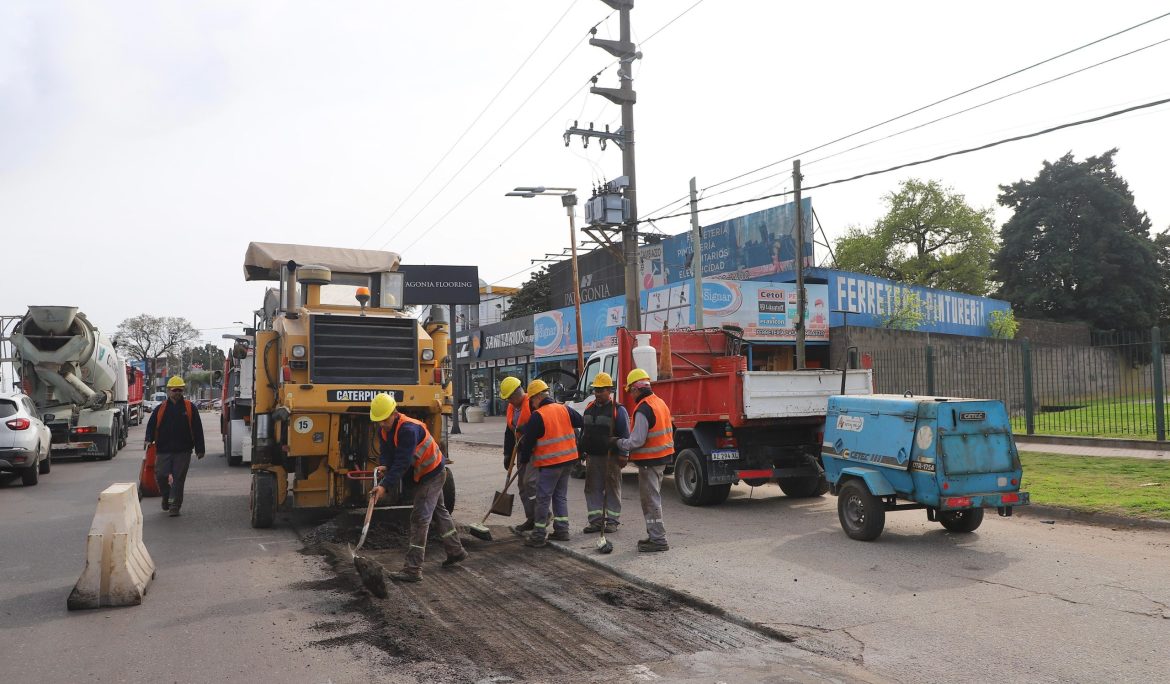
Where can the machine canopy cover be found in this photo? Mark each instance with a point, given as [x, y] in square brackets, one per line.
[263, 260]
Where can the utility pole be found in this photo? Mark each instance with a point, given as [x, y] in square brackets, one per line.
[452, 341]
[624, 96]
[800, 303]
[697, 262]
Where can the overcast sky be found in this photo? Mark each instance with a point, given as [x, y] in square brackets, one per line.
[144, 144]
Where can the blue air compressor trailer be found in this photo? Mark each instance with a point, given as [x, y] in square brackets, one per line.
[952, 457]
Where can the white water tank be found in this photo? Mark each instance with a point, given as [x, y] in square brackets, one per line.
[645, 356]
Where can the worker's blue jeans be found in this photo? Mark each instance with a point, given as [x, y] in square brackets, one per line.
[552, 487]
[428, 506]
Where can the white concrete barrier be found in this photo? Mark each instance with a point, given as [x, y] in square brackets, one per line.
[117, 566]
[475, 415]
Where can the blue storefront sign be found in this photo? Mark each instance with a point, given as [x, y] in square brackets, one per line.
[870, 302]
[555, 332]
[766, 311]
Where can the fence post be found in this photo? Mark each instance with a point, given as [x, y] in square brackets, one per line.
[930, 370]
[1159, 384]
[1029, 407]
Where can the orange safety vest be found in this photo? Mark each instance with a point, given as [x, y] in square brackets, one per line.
[525, 414]
[163, 408]
[426, 455]
[559, 443]
[660, 439]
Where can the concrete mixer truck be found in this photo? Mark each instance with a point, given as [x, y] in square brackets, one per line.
[75, 377]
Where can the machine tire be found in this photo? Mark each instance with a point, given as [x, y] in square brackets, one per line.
[862, 514]
[967, 520]
[449, 491]
[804, 487]
[46, 463]
[29, 476]
[691, 481]
[263, 500]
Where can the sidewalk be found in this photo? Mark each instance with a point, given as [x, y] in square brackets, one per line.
[491, 433]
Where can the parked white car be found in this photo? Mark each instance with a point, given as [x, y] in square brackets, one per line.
[25, 441]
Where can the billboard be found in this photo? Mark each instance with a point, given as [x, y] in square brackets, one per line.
[555, 333]
[496, 341]
[602, 276]
[765, 311]
[440, 284]
[871, 300]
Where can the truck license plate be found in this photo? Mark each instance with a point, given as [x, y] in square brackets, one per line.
[724, 455]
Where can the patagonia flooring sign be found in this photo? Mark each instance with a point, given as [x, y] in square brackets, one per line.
[440, 284]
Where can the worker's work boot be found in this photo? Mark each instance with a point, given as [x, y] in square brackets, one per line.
[452, 561]
[646, 545]
[521, 529]
[560, 535]
[174, 510]
[406, 576]
[166, 504]
[535, 541]
[593, 527]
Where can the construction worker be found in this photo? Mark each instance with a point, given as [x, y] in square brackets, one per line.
[406, 444]
[604, 419]
[175, 430]
[550, 445]
[650, 445]
[519, 410]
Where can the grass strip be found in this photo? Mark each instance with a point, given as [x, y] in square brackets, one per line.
[1133, 487]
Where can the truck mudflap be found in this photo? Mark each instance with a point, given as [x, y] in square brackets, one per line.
[1004, 501]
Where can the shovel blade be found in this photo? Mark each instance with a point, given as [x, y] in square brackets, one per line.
[371, 574]
[502, 504]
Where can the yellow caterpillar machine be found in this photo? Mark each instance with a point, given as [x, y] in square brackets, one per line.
[331, 337]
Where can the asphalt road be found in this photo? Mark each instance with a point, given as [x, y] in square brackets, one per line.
[225, 605]
[1019, 600]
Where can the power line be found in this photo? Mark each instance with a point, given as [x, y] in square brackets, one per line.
[956, 153]
[663, 27]
[474, 122]
[927, 106]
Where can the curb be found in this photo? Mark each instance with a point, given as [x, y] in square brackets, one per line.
[1098, 519]
[1092, 442]
[474, 442]
[679, 595]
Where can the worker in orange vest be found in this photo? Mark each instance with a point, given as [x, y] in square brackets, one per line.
[175, 432]
[651, 446]
[407, 445]
[519, 411]
[550, 445]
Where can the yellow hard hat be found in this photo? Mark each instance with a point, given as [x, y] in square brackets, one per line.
[536, 387]
[508, 386]
[602, 380]
[175, 381]
[636, 375]
[381, 407]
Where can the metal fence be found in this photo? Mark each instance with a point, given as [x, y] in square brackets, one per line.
[1114, 387]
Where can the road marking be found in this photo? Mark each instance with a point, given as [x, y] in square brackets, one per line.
[262, 547]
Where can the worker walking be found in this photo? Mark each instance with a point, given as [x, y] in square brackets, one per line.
[550, 445]
[604, 419]
[519, 411]
[406, 444]
[650, 445]
[175, 430]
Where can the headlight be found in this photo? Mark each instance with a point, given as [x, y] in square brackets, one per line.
[428, 355]
[298, 351]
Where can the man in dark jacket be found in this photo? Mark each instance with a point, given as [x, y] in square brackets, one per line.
[175, 430]
[604, 419]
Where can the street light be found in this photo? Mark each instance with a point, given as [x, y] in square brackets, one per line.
[568, 201]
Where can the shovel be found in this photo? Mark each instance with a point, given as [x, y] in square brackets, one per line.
[370, 571]
[501, 505]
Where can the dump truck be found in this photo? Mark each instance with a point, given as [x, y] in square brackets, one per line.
[76, 378]
[235, 417]
[332, 336]
[731, 424]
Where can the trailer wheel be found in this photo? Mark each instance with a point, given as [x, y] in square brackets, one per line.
[804, 487]
[967, 520]
[691, 481]
[861, 513]
[263, 500]
[449, 491]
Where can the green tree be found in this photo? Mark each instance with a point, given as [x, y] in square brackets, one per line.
[1078, 249]
[907, 312]
[149, 337]
[929, 236]
[1004, 325]
[532, 298]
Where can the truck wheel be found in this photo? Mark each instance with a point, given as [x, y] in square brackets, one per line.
[263, 501]
[449, 492]
[967, 520]
[109, 449]
[691, 481]
[804, 487]
[29, 476]
[861, 513]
